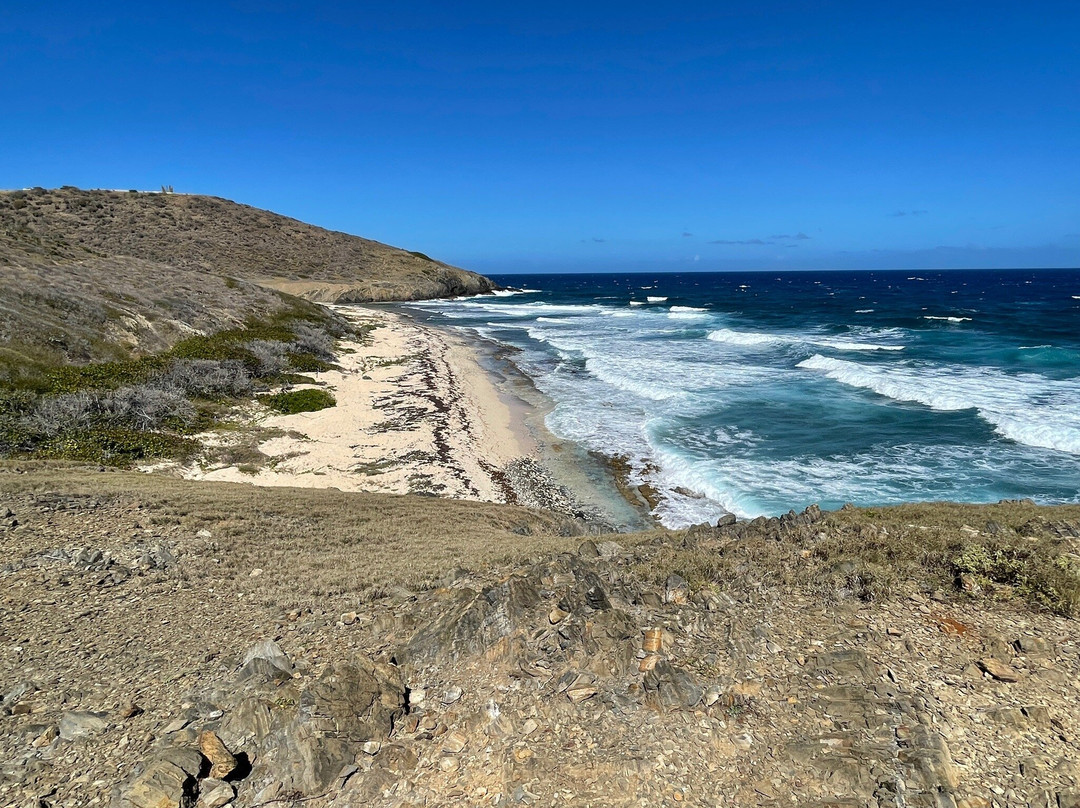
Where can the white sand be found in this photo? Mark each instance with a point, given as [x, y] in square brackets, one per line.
[415, 413]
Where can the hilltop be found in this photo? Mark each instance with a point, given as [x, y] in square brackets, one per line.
[214, 235]
[92, 275]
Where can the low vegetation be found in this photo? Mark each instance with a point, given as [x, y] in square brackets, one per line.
[130, 410]
[293, 401]
[1012, 551]
[344, 542]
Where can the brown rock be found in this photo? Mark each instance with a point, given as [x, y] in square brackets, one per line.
[130, 711]
[999, 670]
[221, 759]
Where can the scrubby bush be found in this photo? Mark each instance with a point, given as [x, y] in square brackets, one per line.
[66, 412]
[271, 356]
[296, 401]
[207, 378]
[147, 407]
[314, 341]
[142, 407]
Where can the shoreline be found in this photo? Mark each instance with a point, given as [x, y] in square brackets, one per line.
[599, 483]
[422, 409]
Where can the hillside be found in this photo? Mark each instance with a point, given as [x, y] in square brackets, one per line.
[98, 275]
[208, 234]
[165, 643]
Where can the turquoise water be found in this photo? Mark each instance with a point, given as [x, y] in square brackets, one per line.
[756, 392]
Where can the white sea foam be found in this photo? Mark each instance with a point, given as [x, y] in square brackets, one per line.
[746, 338]
[652, 299]
[687, 313]
[947, 319]
[847, 345]
[1026, 408]
[637, 302]
[751, 339]
[1076, 297]
[864, 311]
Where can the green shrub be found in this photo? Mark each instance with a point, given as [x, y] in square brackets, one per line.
[103, 375]
[116, 447]
[1041, 577]
[308, 363]
[299, 401]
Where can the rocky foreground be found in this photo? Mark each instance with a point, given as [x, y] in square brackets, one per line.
[135, 675]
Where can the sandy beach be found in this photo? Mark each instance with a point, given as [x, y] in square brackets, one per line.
[415, 413]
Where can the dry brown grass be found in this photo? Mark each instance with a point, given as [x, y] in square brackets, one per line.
[205, 234]
[310, 543]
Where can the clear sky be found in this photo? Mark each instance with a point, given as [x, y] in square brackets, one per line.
[577, 136]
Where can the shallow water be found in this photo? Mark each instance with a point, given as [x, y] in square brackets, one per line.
[763, 392]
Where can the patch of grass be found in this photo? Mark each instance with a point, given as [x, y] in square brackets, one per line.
[308, 363]
[103, 375]
[1034, 571]
[296, 401]
[116, 447]
[1014, 554]
[363, 542]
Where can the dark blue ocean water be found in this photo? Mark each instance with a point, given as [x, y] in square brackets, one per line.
[760, 392]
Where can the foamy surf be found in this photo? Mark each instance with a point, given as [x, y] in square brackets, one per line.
[806, 388]
[1028, 409]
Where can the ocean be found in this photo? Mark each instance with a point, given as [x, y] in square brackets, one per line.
[754, 393]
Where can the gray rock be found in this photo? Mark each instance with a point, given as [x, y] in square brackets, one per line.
[588, 549]
[169, 781]
[676, 589]
[672, 688]
[351, 703]
[472, 622]
[215, 793]
[17, 692]
[609, 549]
[74, 725]
[271, 652]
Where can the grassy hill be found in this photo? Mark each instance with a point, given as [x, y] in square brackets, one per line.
[129, 320]
[92, 275]
[216, 236]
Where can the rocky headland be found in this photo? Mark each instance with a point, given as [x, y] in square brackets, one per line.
[158, 653]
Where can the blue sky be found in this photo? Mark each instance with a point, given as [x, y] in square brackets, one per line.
[577, 136]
